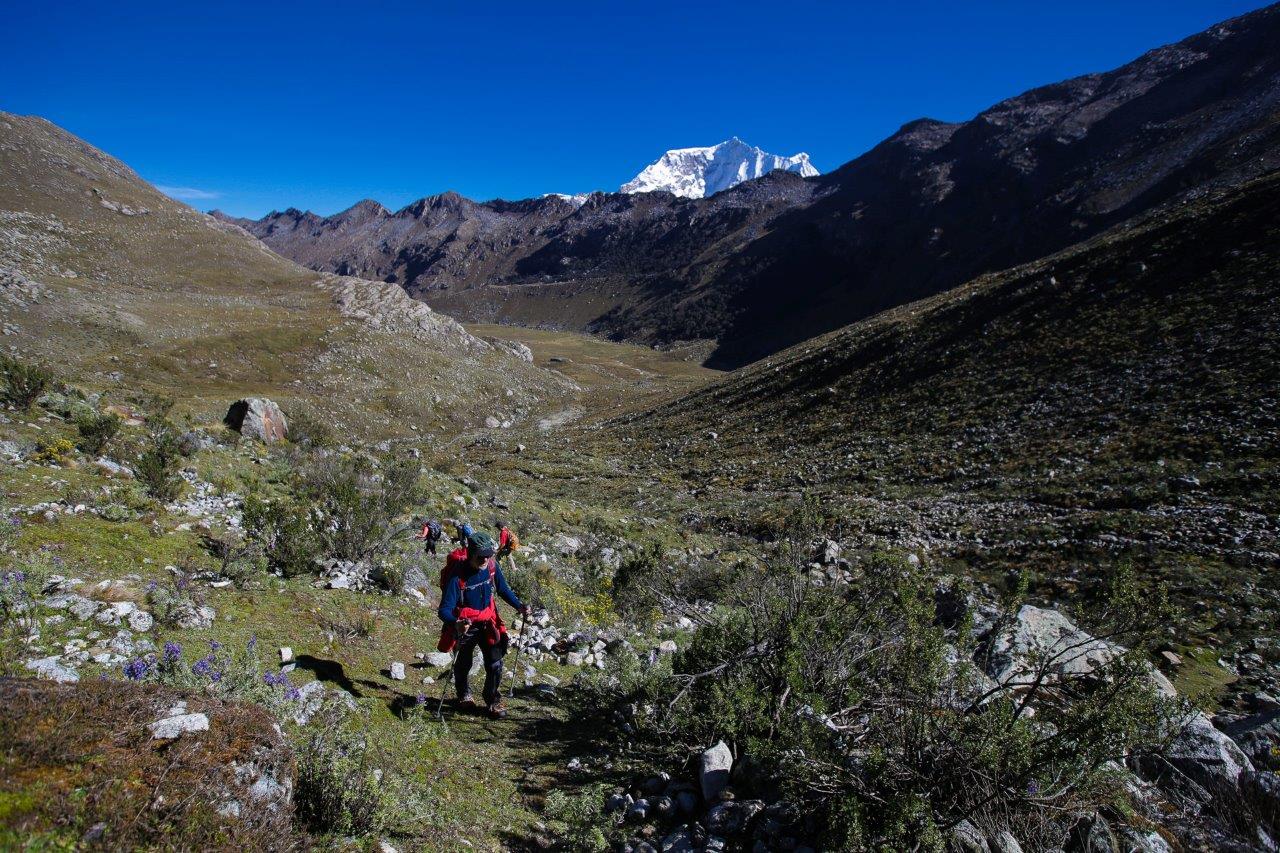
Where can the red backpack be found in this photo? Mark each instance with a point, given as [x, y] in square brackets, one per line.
[455, 571]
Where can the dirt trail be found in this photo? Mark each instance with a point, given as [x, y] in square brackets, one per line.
[561, 418]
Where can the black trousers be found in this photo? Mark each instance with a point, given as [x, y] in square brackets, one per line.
[493, 656]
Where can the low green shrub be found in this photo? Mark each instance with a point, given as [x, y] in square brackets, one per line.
[354, 501]
[645, 586]
[282, 528]
[53, 451]
[851, 702]
[173, 602]
[337, 791]
[308, 430]
[96, 431]
[576, 818]
[21, 384]
[240, 560]
[157, 466]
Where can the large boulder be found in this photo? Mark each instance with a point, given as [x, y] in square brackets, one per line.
[1041, 636]
[966, 838]
[1199, 762]
[714, 772]
[1259, 737]
[734, 817]
[258, 418]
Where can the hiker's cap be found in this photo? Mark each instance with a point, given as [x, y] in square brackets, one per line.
[481, 543]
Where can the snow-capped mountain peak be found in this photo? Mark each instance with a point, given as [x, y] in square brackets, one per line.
[699, 172]
[575, 199]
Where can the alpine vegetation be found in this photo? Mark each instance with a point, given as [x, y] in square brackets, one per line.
[928, 504]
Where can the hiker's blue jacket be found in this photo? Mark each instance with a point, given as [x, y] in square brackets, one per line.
[479, 590]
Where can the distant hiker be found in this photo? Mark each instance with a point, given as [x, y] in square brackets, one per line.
[469, 610]
[430, 535]
[507, 541]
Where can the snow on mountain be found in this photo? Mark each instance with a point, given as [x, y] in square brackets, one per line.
[576, 199]
[700, 172]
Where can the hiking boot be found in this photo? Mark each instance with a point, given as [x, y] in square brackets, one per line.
[468, 705]
[497, 710]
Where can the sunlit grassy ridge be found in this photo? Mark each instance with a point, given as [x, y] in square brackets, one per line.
[145, 292]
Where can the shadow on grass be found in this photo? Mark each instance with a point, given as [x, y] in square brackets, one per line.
[331, 671]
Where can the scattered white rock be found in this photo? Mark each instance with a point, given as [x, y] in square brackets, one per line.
[169, 728]
[439, 659]
[53, 669]
[113, 469]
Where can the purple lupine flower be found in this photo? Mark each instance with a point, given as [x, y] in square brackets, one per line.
[422, 699]
[204, 666]
[1033, 788]
[136, 669]
[172, 651]
[152, 586]
[293, 694]
[215, 677]
[214, 645]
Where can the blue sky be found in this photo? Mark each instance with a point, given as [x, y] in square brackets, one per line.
[258, 106]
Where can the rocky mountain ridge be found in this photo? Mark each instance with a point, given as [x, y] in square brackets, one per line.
[928, 208]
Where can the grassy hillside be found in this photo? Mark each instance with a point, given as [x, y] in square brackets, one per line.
[1111, 405]
[1115, 403]
[113, 284]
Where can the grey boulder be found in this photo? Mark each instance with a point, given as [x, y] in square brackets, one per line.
[713, 774]
[255, 417]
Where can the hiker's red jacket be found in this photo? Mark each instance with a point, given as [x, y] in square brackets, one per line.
[467, 593]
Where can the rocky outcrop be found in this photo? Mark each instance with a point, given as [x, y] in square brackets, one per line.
[258, 418]
[388, 308]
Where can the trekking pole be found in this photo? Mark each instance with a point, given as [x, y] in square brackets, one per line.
[444, 684]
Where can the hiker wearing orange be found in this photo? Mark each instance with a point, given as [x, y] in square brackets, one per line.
[471, 582]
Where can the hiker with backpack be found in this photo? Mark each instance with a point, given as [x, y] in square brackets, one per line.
[432, 533]
[471, 582]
